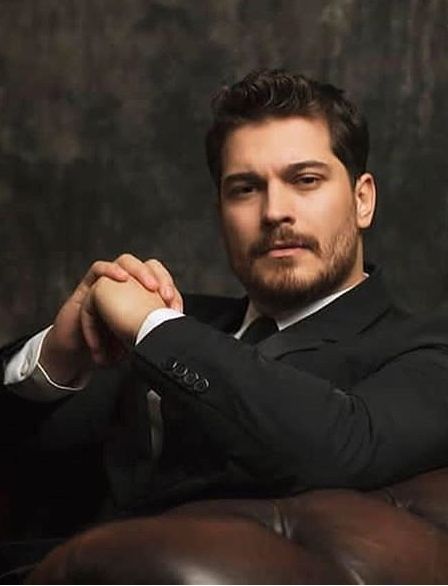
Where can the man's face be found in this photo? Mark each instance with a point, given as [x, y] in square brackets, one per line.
[291, 217]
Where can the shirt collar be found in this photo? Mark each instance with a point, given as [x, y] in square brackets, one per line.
[293, 316]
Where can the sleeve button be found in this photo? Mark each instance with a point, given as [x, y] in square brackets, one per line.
[201, 385]
[190, 378]
[171, 364]
[180, 370]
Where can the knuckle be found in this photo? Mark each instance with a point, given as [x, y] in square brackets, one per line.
[99, 267]
[158, 266]
[125, 257]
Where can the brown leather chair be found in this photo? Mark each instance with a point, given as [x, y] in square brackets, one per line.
[393, 535]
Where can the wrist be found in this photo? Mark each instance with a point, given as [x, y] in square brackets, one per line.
[64, 366]
[134, 333]
[156, 318]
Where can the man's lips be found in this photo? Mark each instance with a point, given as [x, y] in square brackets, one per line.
[288, 244]
[286, 249]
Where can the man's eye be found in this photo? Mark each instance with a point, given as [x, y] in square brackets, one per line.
[308, 180]
[241, 190]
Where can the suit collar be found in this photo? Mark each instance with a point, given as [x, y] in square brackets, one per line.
[350, 313]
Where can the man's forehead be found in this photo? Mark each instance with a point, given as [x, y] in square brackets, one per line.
[276, 143]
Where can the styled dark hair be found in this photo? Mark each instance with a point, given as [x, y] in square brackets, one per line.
[278, 94]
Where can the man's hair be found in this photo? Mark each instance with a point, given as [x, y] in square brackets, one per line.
[278, 94]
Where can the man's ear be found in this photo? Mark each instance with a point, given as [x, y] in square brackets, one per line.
[365, 200]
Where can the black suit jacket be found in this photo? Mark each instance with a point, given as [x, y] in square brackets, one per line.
[352, 396]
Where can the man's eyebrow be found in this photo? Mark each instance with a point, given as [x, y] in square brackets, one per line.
[295, 168]
[287, 172]
[248, 176]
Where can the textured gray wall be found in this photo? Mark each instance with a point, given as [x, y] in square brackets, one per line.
[104, 104]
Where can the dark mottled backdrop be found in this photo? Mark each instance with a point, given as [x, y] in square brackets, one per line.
[104, 104]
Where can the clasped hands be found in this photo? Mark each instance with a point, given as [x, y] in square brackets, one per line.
[101, 319]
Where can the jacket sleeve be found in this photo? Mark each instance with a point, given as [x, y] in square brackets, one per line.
[287, 428]
[62, 422]
[18, 416]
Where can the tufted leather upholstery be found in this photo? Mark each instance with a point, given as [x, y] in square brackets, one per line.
[393, 535]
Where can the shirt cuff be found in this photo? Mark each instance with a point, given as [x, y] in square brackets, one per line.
[21, 366]
[154, 319]
[24, 376]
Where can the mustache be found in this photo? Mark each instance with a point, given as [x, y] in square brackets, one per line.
[284, 237]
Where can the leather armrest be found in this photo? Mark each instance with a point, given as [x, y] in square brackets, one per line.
[325, 536]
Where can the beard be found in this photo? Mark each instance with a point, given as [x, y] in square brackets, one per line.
[284, 283]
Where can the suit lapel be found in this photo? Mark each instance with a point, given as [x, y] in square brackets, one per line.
[347, 316]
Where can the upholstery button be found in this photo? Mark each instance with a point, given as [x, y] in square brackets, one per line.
[180, 370]
[201, 385]
[190, 378]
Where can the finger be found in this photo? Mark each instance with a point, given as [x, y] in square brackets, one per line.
[167, 289]
[91, 329]
[100, 268]
[178, 302]
[139, 270]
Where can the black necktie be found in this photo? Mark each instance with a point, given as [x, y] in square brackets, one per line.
[259, 329]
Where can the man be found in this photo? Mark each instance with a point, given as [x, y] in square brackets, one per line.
[331, 391]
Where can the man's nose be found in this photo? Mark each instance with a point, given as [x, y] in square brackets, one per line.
[278, 205]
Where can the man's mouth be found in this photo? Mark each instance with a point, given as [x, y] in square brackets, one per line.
[286, 248]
